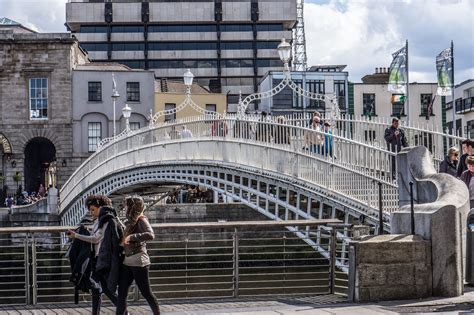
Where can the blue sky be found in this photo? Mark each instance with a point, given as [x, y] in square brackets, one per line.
[361, 34]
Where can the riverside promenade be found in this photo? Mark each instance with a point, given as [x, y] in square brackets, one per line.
[298, 305]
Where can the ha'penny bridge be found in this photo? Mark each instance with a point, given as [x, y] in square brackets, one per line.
[304, 203]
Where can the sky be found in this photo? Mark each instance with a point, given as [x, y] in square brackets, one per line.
[361, 34]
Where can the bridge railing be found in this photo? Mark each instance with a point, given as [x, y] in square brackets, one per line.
[339, 164]
[371, 130]
[191, 260]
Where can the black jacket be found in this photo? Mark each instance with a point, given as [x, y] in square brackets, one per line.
[110, 255]
[79, 255]
[448, 166]
[462, 166]
[394, 142]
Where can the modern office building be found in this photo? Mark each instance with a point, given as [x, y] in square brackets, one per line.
[464, 107]
[327, 80]
[228, 45]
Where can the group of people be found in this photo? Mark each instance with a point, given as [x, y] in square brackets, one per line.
[22, 197]
[461, 167]
[115, 254]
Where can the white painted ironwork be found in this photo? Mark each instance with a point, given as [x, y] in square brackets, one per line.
[284, 50]
[348, 175]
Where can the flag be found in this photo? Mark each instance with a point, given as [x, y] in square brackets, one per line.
[397, 98]
[429, 110]
[397, 79]
[444, 67]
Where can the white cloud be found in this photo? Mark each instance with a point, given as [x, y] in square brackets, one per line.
[39, 15]
[364, 33]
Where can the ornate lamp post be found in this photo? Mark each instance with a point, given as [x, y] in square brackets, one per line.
[284, 51]
[127, 112]
[188, 82]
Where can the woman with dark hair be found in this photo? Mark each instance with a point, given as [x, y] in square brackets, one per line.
[106, 236]
[136, 263]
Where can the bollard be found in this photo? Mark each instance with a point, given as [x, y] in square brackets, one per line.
[412, 210]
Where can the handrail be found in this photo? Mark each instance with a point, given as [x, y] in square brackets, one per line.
[190, 225]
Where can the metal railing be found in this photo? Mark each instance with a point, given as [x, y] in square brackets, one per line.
[340, 164]
[191, 260]
[371, 130]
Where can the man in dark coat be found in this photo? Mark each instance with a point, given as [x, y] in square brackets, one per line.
[395, 138]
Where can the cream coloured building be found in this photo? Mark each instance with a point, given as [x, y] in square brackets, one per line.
[170, 94]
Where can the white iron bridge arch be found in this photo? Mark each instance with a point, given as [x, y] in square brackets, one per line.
[279, 164]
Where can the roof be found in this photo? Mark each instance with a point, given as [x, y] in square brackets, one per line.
[167, 86]
[7, 21]
[103, 66]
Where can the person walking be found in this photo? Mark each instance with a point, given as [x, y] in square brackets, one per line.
[450, 163]
[468, 178]
[106, 236]
[328, 140]
[136, 263]
[186, 133]
[314, 139]
[396, 139]
[467, 150]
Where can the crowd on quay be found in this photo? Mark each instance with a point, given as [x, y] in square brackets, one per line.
[118, 255]
[190, 194]
[22, 197]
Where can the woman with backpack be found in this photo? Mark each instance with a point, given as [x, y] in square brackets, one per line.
[106, 235]
[136, 263]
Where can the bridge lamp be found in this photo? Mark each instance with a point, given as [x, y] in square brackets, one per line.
[127, 112]
[188, 80]
[284, 51]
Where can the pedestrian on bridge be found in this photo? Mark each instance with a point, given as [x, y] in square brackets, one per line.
[396, 139]
[136, 263]
[467, 150]
[107, 233]
[314, 139]
[468, 178]
[450, 163]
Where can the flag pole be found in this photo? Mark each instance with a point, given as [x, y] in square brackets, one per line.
[407, 85]
[452, 91]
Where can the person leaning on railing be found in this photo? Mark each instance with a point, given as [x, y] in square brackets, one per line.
[136, 263]
[396, 139]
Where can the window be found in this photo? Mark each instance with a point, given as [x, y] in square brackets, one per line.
[170, 106]
[182, 28]
[211, 108]
[182, 46]
[134, 125]
[316, 86]
[263, 63]
[398, 105]
[39, 98]
[269, 27]
[133, 91]
[94, 46]
[94, 135]
[236, 27]
[340, 90]
[93, 29]
[127, 29]
[470, 129]
[131, 46]
[368, 104]
[426, 105]
[268, 45]
[95, 91]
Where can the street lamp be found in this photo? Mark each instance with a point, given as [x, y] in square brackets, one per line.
[188, 82]
[127, 112]
[115, 96]
[284, 51]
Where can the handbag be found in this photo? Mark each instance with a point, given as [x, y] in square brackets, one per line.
[140, 259]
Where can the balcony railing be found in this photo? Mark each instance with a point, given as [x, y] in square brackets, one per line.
[464, 105]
